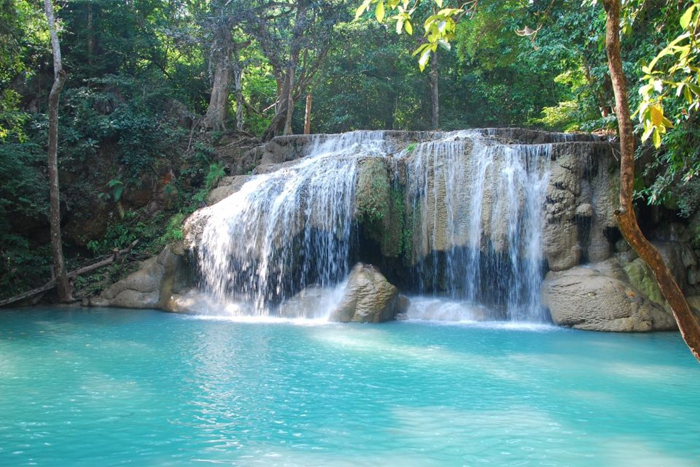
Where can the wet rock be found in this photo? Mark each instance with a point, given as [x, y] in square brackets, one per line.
[368, 297]
[585, 298]
[226, 187]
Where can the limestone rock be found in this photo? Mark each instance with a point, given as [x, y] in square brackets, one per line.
[672, 253]
[368, 297]
[560, 245]
[642, 278]
[149, 287]
[584, 298]
[227, 186]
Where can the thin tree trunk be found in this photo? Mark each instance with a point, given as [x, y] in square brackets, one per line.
[63, 287]
[307, 115]
[434, 92]
[626, 218]
[290, 102]
[237, 78]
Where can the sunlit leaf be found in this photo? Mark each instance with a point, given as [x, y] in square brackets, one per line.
[423, 60]
[687, 16]
[379, 11]
[656, 114]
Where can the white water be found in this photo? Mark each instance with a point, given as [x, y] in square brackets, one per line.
[292, 225]
[479, 205]
[485, 218]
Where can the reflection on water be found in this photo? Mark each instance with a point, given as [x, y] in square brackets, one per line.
[148, 388]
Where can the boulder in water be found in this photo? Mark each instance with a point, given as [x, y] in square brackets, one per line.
[368, 298]
[586, 298]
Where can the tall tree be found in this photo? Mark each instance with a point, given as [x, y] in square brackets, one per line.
[62, 285]
[626, 218]
[295, 37]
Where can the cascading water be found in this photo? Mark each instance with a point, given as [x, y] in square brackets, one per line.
[474, 207]
[479, 206]
[287, 229]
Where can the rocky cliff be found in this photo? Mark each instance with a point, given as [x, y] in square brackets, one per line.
[484, 215]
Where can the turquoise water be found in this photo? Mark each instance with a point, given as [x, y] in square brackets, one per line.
[115, 387]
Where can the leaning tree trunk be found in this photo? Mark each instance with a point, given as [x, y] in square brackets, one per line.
[434, 92]
[63, 287]
[626, 218]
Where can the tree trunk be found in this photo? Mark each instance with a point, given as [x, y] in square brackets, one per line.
[626, 218]
[307, 115]
[277, 123]
[220, 57]
[218, 103]
[63, 287]
[434, 92]
[290, 102]
[237, 78]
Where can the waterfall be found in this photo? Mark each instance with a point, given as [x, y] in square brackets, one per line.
[478, 218]
[287, 229]
[474, 207]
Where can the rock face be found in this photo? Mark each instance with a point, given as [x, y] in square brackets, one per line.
[152, 286]
[592, 299]
[420, 203]
[368, 298]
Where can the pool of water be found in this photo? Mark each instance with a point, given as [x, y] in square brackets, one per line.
[113, 387]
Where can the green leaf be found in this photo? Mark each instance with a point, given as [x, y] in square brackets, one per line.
[379, 11]
[409, 28]
[438, 3]
[425, 56]
[656, 139]
[361, 9]
[687, 16]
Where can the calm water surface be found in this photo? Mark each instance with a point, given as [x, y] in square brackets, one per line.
[115, 387]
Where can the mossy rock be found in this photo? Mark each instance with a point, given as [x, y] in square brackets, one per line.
[380, 207]
[642, 278]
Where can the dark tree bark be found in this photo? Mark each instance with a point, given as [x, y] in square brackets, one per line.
[626, 218]
[63, 287]
[434, 92]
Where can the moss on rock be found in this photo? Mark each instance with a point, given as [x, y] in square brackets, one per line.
[642, 278]
[381, 207]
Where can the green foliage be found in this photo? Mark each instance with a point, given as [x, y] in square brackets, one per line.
[216, 173]
[677, 83]
[173, 229]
